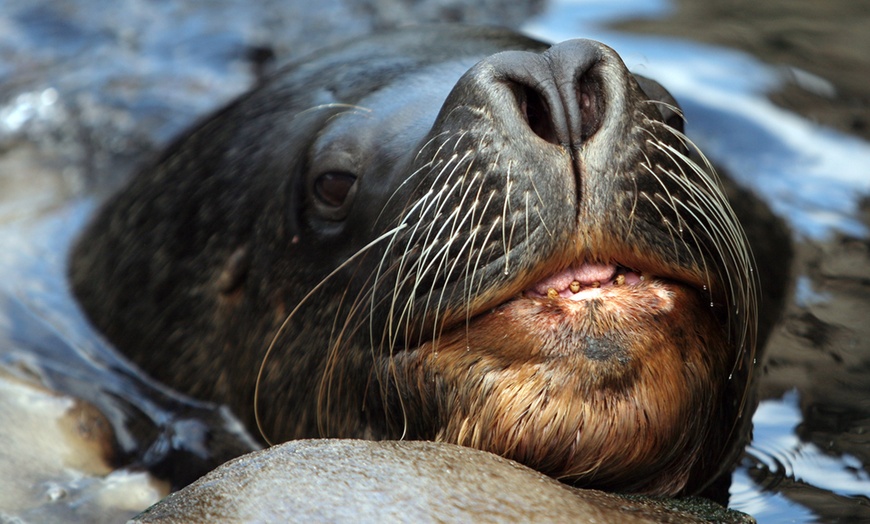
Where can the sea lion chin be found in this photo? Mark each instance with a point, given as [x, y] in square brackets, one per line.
[446, 233]
[594, 392]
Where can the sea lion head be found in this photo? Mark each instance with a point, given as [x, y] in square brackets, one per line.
[450, 234]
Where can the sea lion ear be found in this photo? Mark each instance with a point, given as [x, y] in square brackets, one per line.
[670, 110]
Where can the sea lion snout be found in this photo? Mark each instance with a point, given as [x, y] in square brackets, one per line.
[556, 93]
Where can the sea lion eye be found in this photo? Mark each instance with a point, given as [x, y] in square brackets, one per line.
[332, 188]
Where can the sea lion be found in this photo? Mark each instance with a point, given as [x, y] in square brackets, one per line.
[447, 233]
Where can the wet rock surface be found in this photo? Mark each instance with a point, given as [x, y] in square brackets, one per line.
[364, 481]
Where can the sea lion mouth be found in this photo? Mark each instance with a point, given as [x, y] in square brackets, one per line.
[584, 280]
[635, 285]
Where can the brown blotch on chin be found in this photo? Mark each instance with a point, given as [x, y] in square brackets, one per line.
[610, 394]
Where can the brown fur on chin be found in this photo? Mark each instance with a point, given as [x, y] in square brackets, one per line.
[634, 417]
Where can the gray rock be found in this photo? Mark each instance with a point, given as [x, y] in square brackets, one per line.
[362, 481]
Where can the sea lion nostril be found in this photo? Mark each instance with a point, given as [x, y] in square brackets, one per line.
[549, 114]
[591, 102]
[537, 114]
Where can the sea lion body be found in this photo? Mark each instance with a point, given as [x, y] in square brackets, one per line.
[446, 233]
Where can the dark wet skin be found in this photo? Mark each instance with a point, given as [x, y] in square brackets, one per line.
[411, 192]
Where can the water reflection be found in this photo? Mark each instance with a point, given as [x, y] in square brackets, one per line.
[782, 454]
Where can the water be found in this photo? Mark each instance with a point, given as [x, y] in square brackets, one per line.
[88, 93]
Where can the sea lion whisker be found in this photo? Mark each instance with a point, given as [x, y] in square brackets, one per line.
[421, 202]
[459, 136]
[430, 141]
[632, 215]
[676, 109]
[692, 189]
[734, 252]
[725, 219]
[386, 336]
[707, 175]
[427, 167]
[471, 180]
[439, 261]
[506, 239]
[354, 108]
[712, 194]
[658, 123]
[335, 342]
[436, 158]
[718, 248]
[423, 268]
[708, 212]
[692, 192]
[437, 208]
[471, 268]
[526, 212]
[667, 201]
[538, 208]
[647, 165]
[437, 328]
[431, 201]
[480, 252]
[293, 312]
[693, 259]
[368, 296]
[379, 372]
